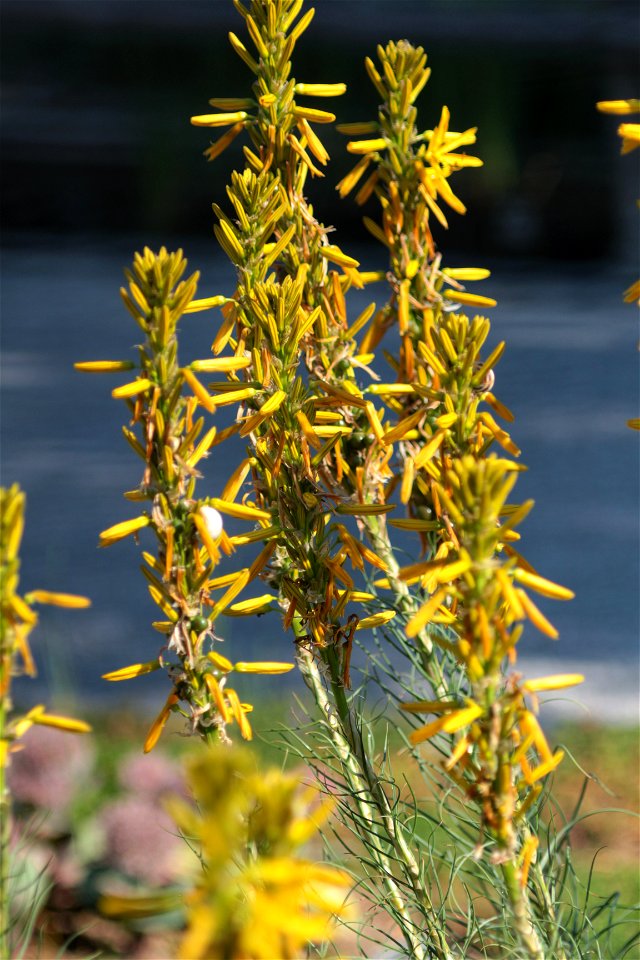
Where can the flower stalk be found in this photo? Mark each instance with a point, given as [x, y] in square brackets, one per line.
[17, 620]
[163, 403]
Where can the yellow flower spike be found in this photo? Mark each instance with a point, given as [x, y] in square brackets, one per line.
[267, 667]
[220, 662]
[134, 670]
[423, 616]
[619, 107]
[376, 620]
[543, 586]
[124, 529]
[104, 366]
[158, 725]
[558, 681]
[132, 389]
[320, 89]
[70, 600]
[60, 723]
[219, 119]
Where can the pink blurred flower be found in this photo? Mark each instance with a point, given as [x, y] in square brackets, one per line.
[141, 840]
[152, 776]
[51, 769]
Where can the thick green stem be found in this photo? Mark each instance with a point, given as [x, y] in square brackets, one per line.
[373, 807]
[522, 912]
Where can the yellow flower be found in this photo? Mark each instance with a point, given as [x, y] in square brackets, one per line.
[557, 681]
[70, 600]
[121, 530]
[618, 106]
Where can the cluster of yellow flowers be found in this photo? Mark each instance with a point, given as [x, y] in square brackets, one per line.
[163, 403]
[255, 896]
[18, 619]
[630, 135]
[326, 455]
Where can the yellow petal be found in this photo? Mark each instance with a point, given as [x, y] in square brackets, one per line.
[219, 119]
[220, 662]
[425, 613]
[104, 366]
[263, 667]
[159, 723]
[557, 681]
[367, 146]
[134, 670]
[132, 389]
[240, 510]
[124, 529]
[320, 89]
[471, 299]
[618, 106]
[61, 723]
[70, 600]
[541, 585]
[376, 620]
[254, 605]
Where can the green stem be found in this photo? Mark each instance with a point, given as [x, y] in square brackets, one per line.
[373, 807]
[522, 912]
